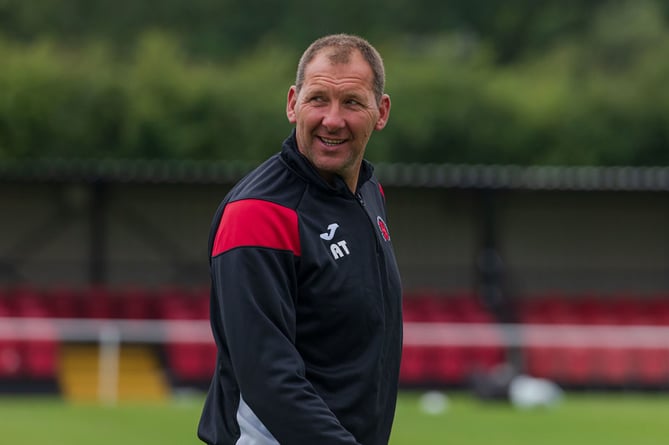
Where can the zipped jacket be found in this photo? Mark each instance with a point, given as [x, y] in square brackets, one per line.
[305, 310]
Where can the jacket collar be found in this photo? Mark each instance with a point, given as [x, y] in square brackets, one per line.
[301, 165]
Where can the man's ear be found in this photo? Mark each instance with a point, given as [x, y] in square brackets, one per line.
[290, 104]
[384, 112]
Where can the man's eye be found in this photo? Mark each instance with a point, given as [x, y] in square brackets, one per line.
[317, 99]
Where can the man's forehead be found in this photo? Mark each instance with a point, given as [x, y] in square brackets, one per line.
[339, 55]
[335, 58]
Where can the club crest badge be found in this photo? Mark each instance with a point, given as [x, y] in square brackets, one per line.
[383, 228]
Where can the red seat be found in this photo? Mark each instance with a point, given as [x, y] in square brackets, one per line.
[10, 359]
[191, 361]
[629, 311]
[176, 309]
[185, 360]
[98, 303]
[658, 310]
[484, 358]
[414, 365]
[431, 307]
[63, 302]
[652, 366]
[547, 309]
[136, 304]
[411, 313]
[209, 354]
[574, 364]
[40, 354]
[175, 304]
[540, 361]
[28, 303]
[470, 310]
[613, 365]
[445, 364]
[201, 307]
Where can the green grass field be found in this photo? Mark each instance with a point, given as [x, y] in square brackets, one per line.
[588, 419]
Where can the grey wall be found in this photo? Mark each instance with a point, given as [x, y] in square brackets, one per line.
[580, 242]
[155, 234]
[436, 235]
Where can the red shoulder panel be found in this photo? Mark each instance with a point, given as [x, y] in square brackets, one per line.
[254, 222]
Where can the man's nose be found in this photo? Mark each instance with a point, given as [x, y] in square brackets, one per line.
[334, 118]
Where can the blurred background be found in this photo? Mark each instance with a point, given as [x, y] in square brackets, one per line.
[526, 166]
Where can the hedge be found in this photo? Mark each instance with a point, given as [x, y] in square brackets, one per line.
[601, 100]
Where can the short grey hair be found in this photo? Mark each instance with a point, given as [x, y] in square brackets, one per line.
[343, 45]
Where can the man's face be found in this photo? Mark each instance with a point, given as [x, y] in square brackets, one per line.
[335, 113]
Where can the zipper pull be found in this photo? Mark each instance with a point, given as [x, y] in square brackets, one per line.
[360, 199]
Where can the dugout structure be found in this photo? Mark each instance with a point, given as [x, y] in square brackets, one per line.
[476, 245]
[533, 230]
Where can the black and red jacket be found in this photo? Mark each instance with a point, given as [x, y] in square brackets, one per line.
[305, 308]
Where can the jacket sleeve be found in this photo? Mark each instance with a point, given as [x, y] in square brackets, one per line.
[254, 259]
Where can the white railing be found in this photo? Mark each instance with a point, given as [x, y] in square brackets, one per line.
[111, 333]
[473, 334]
[83, 329]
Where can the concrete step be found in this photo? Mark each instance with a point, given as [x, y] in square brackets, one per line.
[138, 376]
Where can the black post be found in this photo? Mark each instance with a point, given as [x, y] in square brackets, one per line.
[495, 290]
[98, 234]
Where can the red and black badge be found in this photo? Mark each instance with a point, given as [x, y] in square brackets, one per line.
[383, 228]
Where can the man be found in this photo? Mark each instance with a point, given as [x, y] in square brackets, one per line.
[306, 296]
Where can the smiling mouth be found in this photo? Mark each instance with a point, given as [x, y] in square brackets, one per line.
[331, 142]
